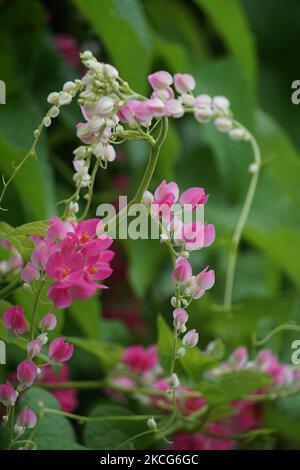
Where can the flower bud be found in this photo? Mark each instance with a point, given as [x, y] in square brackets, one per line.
[109, 153]
[8, 395]
[180, 317]
[59, 351]
[14, 319]
[181, 352]
[33, 348]
[160, 80]
[174, 301]
[27, 419]
[151, 423]
[202, 100]
[98, 150]
[203, 114]
[64, 98]
[48, 322]
[184, 82]
[30, 273]
[104, 106]
[148, 198]
[253, 168]
[173, 381]
[238, 134]
[190, 339]
[174, 108]
[53, 97]
[18, 430]
[69, 87]
[187, 99]
[221, 103]
[54, 111]
[47, 121]
[43, 338]
[26, 372]
[27, 287]
[182, 271]
[223, 124]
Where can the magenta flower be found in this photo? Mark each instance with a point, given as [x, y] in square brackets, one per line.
[60, 351]
[139, 359]
[27, 419]
[8, 394]
[14, 319]
[30, 273]
[27, 372]
[194, 197]
[239, 358]
[182, 271]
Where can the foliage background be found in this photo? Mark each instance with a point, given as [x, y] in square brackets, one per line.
[246, 50]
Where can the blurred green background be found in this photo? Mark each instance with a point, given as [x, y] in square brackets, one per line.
[246, 50]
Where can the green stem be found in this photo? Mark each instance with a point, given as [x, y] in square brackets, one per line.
[155, 148]
[6, 291]
[231, 265]
[29, 154]
[90, 193]
[35, 308]
[95, 419]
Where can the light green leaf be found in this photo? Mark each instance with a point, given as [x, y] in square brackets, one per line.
[229, 20]
[87, 315]
[233, 385]
[122, 27]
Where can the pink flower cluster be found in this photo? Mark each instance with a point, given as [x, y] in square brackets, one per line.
[186, 233]
[74, 259]
[142, 366]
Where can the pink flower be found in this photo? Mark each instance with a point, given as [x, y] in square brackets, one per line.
[30, 273]
[27, 419]
[59, 351]
[190, 339]
[174, 108]
[33, 348]
[184, 82]
[239, 358]
[48, 322]
[193, 196]
[182, 271]
[160, 80]
[27, 372]
[180, 317]
[201, 283]
[8, 395]
[57, 230]
[14, 319]
[209, 234]
[166, 193]
[156, 107]
[139, 359]
[67, 398]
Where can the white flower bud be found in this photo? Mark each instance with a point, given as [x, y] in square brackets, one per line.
[148, 199]
[203, 114]
[182, 329]
[95, 123]
[53, 97]
[109, 153]
[221, 103]
[151, 423]
[202, 100]
[80, 152]
[27, 287]
[174, 301]
[73, 207]
[5, 419]
[181, 352]
[110, 71]
[98, 150]
[104, 107]
[19, 430]
[54, 111]
[187, 99]
[64, 98]
[86, 55]
[253, 168]
[223, 124]
[173, 381]
[43, 338]
[238, 134]
[47, 121]
[69, 87]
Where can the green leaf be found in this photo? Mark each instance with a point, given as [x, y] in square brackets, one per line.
[109, 434]
[233, 385]
[87, 315]
[47, 436]
[145, 257]
[108, 354]
[229, 20]
[122, 28]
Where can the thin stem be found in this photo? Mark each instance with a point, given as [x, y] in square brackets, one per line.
[231, 265]
[285, 326]
[155, 148]
[94, 419]
[6, 291]
[90, 193]
[29, 154]
[35, 308]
